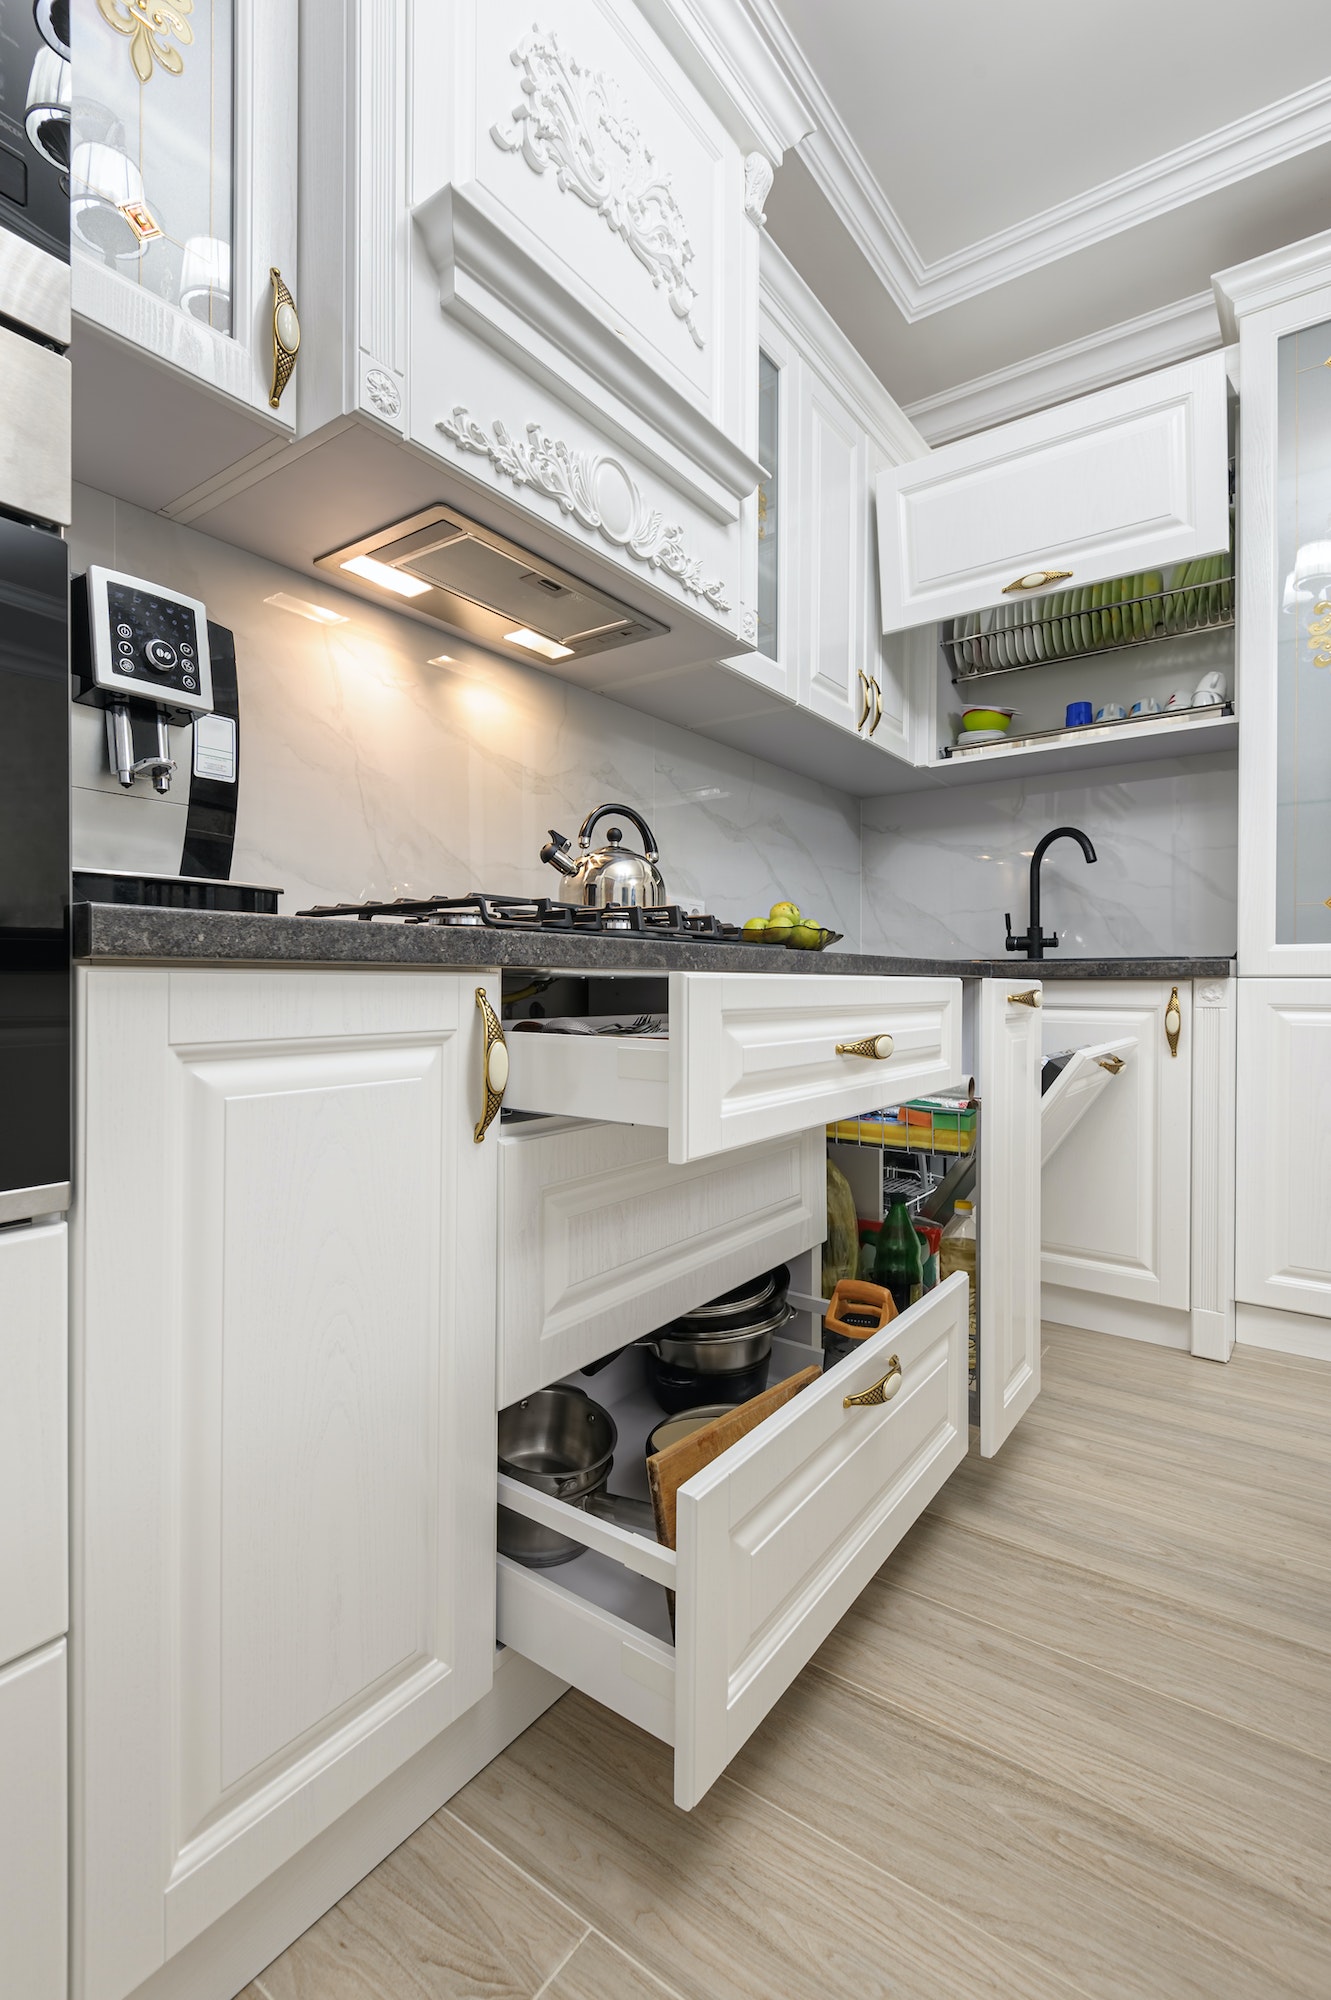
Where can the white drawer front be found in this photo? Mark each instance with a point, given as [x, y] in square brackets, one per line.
[1127, 479]
[33, 1826]
[34, 1372]
[750, 1057]
[601, 1239]
[776, 1539]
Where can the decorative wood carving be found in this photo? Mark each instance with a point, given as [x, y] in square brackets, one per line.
[382, 392]
[576, 120]
[595, 489]
[757, 185]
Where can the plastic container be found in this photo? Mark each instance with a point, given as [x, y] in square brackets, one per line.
[956, 1252]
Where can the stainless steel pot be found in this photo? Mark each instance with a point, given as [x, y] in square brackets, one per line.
[719, 1353]
[758, 1298]
[562, 1443]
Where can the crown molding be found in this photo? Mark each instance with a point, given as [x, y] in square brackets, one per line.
[1262, 139]
[1133, 347]
[732, 62]
[1271, 280]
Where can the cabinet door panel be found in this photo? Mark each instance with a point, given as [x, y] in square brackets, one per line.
[34, 1459]
[33, 1789]
[1283, 1204]
[285, 1551]
[1116, 1213]
[830, 557]
[1009, 1209]
[1127, 479]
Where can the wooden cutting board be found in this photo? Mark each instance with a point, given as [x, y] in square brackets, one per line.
[668, 1470]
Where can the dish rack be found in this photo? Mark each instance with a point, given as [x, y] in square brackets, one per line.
[1097, 618]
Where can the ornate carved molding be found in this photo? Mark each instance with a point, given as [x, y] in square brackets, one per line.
[148, 27]
[757, 185]
[748, 627]
[594, 488]
[382, 392]
[575, 120]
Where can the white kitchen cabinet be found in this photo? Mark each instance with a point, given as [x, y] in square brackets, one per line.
[1279, 311]
[1116, 1199]
[779, 1535]
[833, 682]
[183, 202]
[1128, 479]
[33, 1855]
[1283, 1249]
[748, 1057]
[34, 1458]
[283, 1560]
[602, 1240]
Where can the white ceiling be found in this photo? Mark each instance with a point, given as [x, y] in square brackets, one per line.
[984, 184]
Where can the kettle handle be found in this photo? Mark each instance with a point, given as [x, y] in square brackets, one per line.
[622, 812]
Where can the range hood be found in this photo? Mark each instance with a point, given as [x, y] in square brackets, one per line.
[476, 583]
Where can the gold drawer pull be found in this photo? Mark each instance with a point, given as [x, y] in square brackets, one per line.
[1030, 999]
[494, 1065]
[877, 706]
[1112, 1063]
[1036, 579]
[876, 1047]
[1173, 1022]
[881, 1392]
[868, 699]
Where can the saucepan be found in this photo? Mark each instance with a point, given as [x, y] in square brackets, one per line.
[562, 1443]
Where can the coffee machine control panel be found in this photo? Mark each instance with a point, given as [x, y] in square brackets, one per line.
[145, 644]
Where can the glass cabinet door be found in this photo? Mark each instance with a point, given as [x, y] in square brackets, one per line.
[1303, 652]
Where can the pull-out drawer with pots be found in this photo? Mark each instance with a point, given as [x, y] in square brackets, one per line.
[775, 1540]
[749, 1057]
[602, 1239]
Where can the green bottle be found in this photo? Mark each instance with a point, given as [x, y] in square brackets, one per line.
[898, 1263]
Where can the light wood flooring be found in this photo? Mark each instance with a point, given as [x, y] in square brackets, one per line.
[1074, 1740]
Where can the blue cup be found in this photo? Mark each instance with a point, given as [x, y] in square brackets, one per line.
[1078, 713]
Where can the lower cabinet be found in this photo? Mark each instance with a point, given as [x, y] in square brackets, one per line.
[1115, 1202]
[777, 1536]
[33, 1860]
[283, 1359]
[1283, 1246]
[34, 1468]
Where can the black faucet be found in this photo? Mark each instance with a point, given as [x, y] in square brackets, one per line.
[1032, 941]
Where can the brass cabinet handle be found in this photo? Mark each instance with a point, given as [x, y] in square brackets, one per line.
[864, 712]
[1036, 579]
[1112, 1063]
[285, 334]
[876, 1047]
[494, 1065]
[1173, 1022]
[877, 705]
[881, 1392]
[1030, 999]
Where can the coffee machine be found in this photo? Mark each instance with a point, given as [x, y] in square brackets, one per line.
[157, 763]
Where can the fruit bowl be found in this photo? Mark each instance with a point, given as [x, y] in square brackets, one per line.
[823, 940]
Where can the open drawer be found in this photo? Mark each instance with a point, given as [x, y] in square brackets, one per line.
[750, 1056]
[776, 1539]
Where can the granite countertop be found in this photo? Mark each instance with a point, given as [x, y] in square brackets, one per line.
[110, 932]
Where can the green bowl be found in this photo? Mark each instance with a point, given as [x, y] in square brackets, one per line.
[987, 718]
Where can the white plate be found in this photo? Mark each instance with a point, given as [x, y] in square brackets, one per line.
[969, 737]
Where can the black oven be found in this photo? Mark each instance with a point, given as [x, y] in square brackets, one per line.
[35, 976]
[35, 107]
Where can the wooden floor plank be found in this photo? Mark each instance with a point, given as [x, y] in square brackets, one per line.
[1234, 1670]
[1040, 1867]
[598, 1970]
[443, 1918]
[731, 1901]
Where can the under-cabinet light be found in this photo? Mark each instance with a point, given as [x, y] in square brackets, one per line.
[319, 614]
[536, 642]
[386, 577]
[440, 660]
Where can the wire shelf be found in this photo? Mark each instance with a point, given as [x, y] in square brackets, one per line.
[1067, 625]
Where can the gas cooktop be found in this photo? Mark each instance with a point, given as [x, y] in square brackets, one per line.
[540, 913]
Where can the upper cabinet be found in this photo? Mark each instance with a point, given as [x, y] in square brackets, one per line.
[1126, 480]
[1279, 310]
[182, 207]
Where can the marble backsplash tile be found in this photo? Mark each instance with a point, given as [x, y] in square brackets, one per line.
[939, 870]
[367, 771]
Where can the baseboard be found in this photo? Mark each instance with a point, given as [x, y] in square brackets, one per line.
[1126, 1319]
[1283, 1332]
[221, 1962]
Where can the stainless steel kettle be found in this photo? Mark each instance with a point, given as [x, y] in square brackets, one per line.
[611, 874]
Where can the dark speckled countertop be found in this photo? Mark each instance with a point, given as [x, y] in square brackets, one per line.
[107, 932]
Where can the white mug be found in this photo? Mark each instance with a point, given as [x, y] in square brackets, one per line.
[1148, 707]
[1111, 712]
[1211, 689]
[1179, 699]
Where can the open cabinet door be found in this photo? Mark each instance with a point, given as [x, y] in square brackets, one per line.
[1079, 1085]
[1009, 1062]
